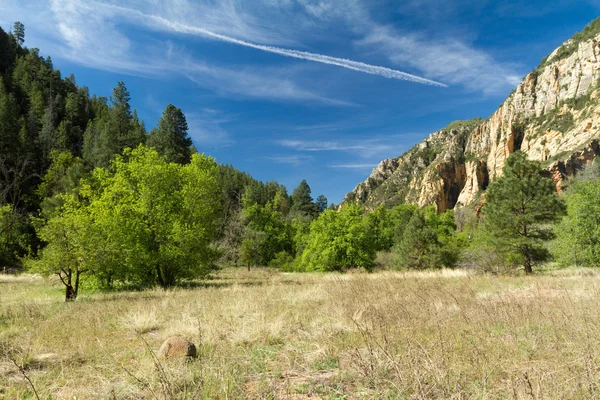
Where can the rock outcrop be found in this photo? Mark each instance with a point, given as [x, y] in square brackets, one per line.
[553, 116]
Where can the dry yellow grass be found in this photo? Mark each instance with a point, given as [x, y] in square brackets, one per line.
[263, 334]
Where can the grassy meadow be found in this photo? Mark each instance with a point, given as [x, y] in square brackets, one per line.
[269, 335]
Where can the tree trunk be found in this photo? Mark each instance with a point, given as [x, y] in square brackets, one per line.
[76, 292]
[527, 265]
[70, 293]
[159, 276]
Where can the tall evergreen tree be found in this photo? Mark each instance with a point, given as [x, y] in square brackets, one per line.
[171, 138]
[302, 202]
[519, 207]
[419, 246]
[118, 130]
[19, 33]
[321, 203]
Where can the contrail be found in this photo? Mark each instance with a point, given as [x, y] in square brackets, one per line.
[303, 55]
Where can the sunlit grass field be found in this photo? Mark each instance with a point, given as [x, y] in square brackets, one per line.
[269, 335]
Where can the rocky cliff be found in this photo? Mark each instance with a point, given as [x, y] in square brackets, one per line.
[553, 116]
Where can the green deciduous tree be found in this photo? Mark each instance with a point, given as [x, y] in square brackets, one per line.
[164, 215]
[387, 226]
[519, 207]
[275, 232]
[251, 249]
[301, 230]
[148, 222]
[338, 241]
[72, 242]
[578, 233]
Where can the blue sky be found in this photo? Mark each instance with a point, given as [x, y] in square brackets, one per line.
[302, 89]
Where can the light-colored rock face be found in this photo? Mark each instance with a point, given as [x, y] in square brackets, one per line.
[433, 172]
[553, 116]
[177, 347]
[548, 92]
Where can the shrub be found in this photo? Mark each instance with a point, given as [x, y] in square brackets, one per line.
[283, 261]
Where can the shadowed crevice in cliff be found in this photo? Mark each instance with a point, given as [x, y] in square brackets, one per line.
[454, 177]
[515, 139]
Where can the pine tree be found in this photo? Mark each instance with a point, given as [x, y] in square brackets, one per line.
[321, 203]
[419, 246]
[302, 202]
[519, 207]
[119, 130]
[171, 139]
[19, 33]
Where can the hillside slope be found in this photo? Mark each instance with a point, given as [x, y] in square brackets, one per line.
[553, 116]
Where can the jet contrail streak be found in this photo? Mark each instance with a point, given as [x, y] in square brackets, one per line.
[303, 55]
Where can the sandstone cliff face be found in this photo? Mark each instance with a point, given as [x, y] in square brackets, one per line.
[553, 116]
[432, 172]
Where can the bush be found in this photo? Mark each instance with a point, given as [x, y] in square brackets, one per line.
[283, 261]
[428, 241]
[485, 255]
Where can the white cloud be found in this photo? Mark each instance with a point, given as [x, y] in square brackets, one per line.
[90, 36]
[159, 22]
[354, 166]
[448, 60]
[306, 145]
[293, 160]
[252, 83]
[206, 128]
[90, 33]
[372, 148]
[453, 60]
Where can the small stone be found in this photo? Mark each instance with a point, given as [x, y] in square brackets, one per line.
[177, 347]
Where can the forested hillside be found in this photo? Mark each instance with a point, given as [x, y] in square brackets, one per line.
[54, 134]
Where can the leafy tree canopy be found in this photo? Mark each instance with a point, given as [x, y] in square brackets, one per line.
[338, 241]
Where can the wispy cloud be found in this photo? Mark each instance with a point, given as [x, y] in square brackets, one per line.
[354, 166]
[154, 22]
[293, 160]
[365, 149]
[206, 128]
[90, 35]
[307, 145]
[261, 83]
[449, 60]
